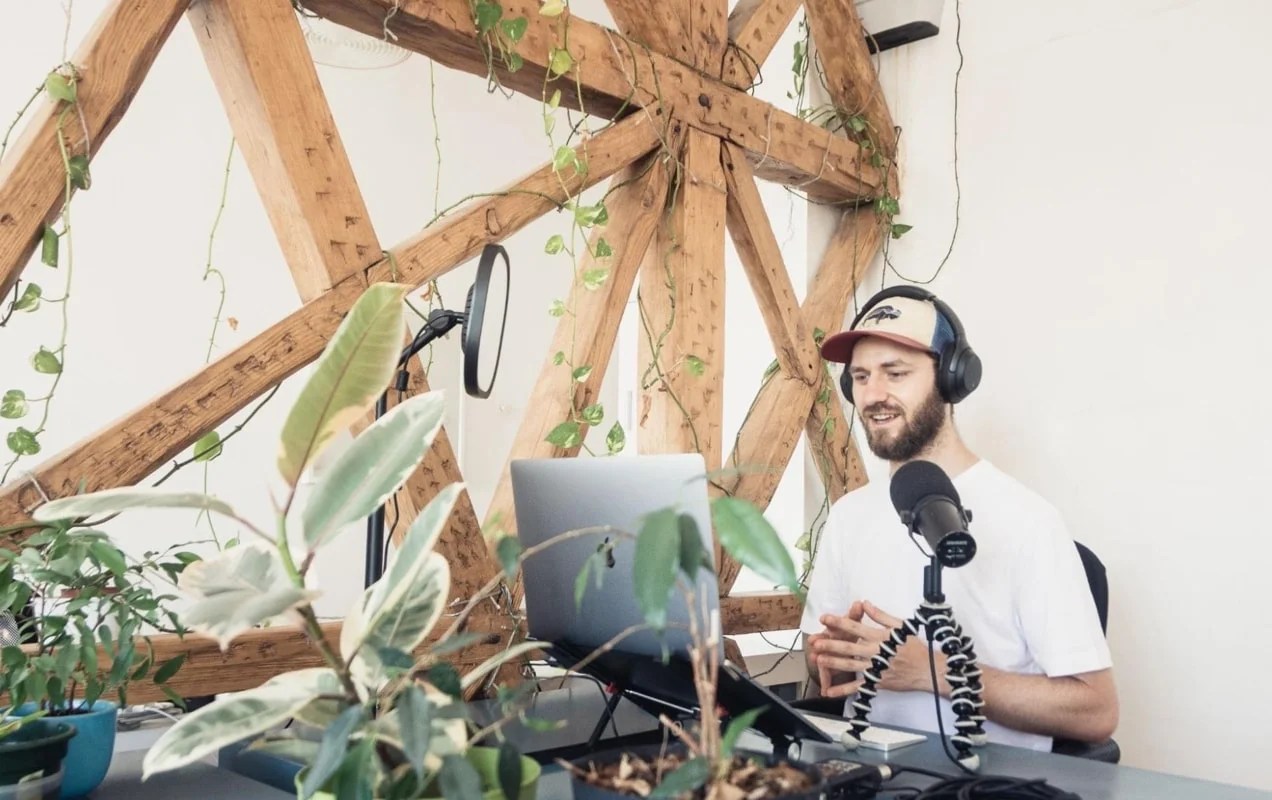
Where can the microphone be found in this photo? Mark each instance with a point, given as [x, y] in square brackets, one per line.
[929, 505]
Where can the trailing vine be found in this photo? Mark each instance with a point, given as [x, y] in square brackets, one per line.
[61, 86]
[208, 446]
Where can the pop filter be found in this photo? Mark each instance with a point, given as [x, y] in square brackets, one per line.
[485, 315]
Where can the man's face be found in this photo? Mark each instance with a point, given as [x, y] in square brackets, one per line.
[894, 391]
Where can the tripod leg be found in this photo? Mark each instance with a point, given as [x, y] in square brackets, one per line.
[851, 738]
[943, 631]
[961, 651]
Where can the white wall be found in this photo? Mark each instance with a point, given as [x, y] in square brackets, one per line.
[1110, 267]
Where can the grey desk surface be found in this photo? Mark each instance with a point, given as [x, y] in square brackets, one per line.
[580, 704]
[1091, 780]
[199, 780]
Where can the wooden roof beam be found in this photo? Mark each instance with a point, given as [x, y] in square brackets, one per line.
[587, 335]
[681, 302]
[112, 62]
[755, 26]
[787, 401]
[132, 447]
[616, 74]
[850, 74]
[265, 74]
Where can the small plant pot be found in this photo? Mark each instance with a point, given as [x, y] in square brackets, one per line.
[37, 748]
[89, 753]
[584, 790]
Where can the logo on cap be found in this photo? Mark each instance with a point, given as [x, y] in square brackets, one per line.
[882, 313]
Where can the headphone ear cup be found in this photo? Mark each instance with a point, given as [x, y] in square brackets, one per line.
[845, 385]
[961, 375]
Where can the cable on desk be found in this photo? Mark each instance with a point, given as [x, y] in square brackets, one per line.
[984, 787]
[970, 786]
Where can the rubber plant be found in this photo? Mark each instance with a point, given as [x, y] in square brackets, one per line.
[388, 710]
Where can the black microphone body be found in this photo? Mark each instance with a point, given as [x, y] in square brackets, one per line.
[929, 505]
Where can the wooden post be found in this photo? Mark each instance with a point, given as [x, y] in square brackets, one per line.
[681, 300]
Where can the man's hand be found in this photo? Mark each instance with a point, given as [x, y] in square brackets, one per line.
[909, 670]
[842, 649]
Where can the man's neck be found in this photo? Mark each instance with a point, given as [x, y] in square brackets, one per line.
[947, 451]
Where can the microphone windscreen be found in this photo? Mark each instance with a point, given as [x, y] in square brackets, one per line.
[916, 480]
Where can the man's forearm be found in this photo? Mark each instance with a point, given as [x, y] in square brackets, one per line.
[1079, 707]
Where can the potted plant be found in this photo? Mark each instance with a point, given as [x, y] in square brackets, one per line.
[85, 643]
[704, 762]
[389, 710]
[31, 753]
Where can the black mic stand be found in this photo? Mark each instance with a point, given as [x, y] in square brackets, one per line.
[936, 618]
[439, 323]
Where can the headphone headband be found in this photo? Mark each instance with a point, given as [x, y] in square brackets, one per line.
[958, 370]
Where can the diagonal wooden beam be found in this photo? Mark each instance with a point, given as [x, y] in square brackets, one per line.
[693, 32]
[857, 240]
[850, 74]
[461, 541]
[681, 301]
[761, 256]
[264, 72]
[587, 335]
[112, 62]
[797, 358]
[131, 448]
[661, 33]
[614, 74]
[786, 401]
[755, 26]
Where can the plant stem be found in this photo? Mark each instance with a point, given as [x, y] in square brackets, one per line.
[4, 144]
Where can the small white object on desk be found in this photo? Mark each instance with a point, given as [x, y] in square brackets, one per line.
[874, 737]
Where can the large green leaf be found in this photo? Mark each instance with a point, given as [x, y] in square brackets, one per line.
[386, 598]
[404, 625]
[375, 465]
[235, 717]
[749, 537]
[112, 501]
[415, 716]
[657, 560]
[331, 754]
[685, 778]
[352, 371]
[239, 588]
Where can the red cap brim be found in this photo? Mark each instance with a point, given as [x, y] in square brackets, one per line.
[839, 346]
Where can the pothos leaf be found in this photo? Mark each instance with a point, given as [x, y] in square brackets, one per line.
[566, 435]
[616, 439]
[560, 61]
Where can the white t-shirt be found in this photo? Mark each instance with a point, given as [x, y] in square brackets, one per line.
[1024, 599]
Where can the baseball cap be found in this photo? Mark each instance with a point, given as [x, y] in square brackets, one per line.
[907, 321]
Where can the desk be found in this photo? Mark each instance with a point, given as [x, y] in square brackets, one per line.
[582, 705]
[199, 780]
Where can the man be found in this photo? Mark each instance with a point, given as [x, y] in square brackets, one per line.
[1024, 599]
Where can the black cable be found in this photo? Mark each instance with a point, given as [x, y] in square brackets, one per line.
[972, 786]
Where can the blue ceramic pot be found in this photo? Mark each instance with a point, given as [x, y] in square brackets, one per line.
[90, 751]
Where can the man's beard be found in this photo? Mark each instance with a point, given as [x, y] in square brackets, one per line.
[919, 431]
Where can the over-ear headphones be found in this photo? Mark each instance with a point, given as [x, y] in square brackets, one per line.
[958, 368]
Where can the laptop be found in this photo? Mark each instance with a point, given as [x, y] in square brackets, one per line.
[607, 495]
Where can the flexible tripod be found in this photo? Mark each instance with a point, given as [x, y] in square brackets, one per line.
[936, 618]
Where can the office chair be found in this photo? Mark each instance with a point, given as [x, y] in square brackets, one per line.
[1097, 579]
[1107, 751]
